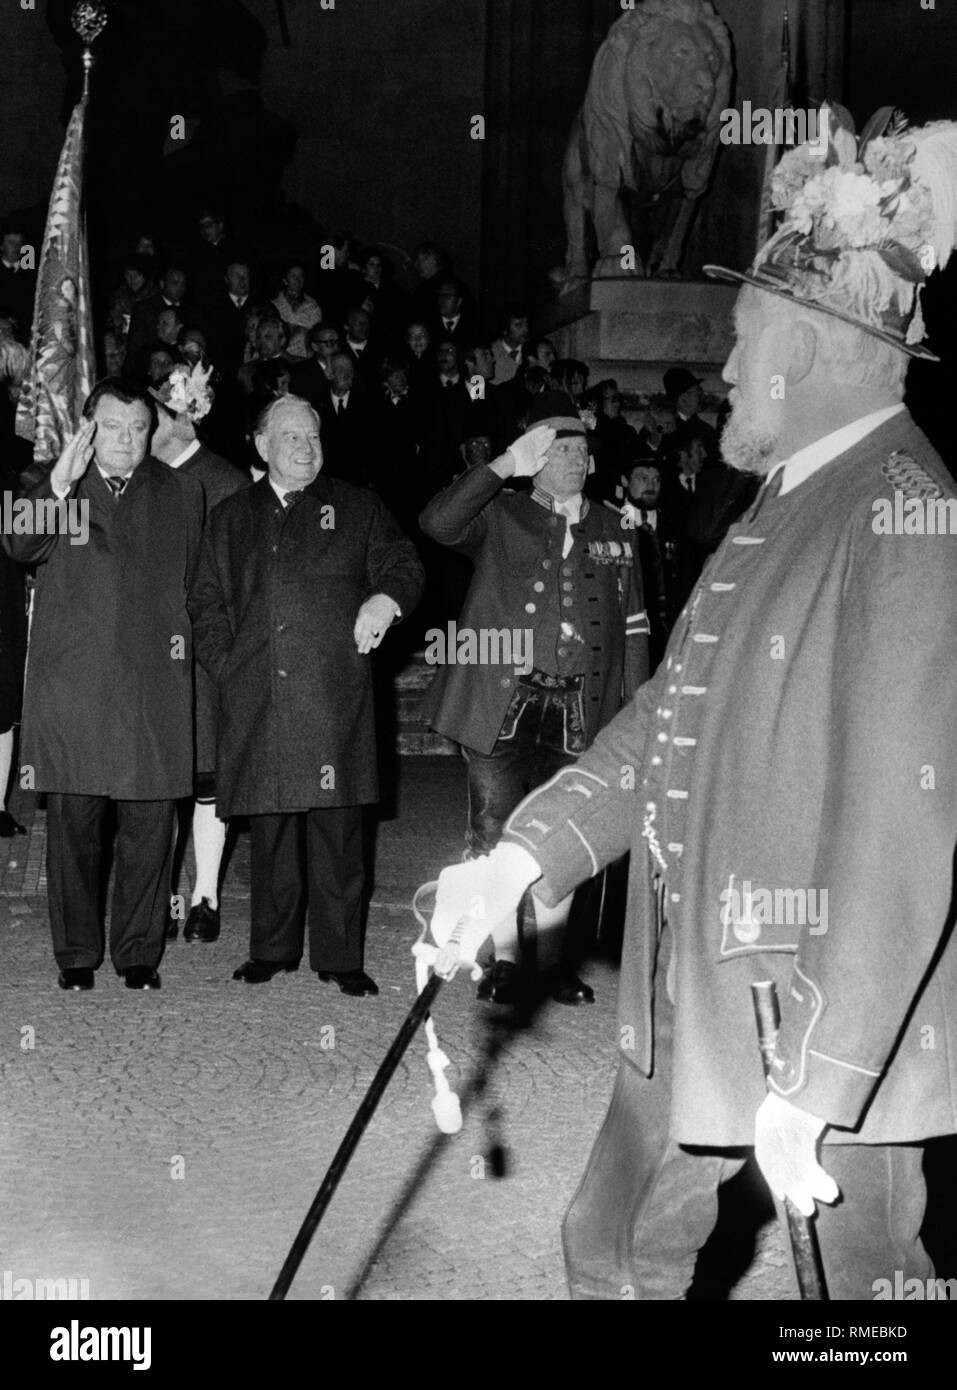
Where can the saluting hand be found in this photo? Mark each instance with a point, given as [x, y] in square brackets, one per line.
[527, 456]
[75, 459]
[375, 616]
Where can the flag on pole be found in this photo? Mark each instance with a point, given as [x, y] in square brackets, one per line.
[62, 361]
[780, 101]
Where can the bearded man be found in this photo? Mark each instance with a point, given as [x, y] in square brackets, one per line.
[786, 782]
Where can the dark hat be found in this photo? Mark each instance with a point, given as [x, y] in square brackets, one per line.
[555, 409]
[678, 380]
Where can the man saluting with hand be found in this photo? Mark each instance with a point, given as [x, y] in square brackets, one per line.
[107, 714]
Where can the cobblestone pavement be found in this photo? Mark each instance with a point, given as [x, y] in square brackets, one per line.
[167, 1145]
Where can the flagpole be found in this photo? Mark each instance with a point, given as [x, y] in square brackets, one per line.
[89, 19]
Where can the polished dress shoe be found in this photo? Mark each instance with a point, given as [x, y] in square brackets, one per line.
[202, 924]
[569, 989]
[76, 977]
[350, 981]
[140, 977]
[257, 972]
[501, 984]
[9, 826]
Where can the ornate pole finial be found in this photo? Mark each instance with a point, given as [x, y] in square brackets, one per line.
[89, 18]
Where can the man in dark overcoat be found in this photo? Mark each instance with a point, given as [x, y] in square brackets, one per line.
[300, 579]
[555, 574]
[108, 704]
[786, 785]
[183, 401]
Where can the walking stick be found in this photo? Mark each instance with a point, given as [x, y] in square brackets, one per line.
[803, 1239]
[445, 1104]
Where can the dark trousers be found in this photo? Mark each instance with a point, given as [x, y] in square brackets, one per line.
[309, 858]
[543, 732]
[142, 855]
[646, 1205]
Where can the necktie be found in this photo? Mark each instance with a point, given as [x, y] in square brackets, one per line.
[767, 493]
[449, 324]
[514, 353]
[116, 486]
[772, 488]
[290, 500]
[340, 403]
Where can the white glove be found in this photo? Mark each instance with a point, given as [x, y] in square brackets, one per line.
[529, 451]
[473, 898]
[785, 1145]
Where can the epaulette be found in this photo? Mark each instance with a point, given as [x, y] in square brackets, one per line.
[905, 475]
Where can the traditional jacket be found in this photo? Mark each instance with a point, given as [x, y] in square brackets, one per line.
[799, 738]
[523, 582]
[108, 705]
[274, 609]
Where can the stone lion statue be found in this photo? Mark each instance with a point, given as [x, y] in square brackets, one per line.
[644, 143]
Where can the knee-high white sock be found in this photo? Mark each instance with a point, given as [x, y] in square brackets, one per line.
[6, 758]
[209, 841]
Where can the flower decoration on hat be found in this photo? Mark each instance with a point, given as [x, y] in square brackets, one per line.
[865, 222]
[186, 391]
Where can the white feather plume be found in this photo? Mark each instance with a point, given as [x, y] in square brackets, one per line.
[935, 166]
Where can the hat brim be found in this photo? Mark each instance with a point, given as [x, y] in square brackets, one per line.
[737, 277]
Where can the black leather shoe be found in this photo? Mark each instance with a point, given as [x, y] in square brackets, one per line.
[351, 981]
[10, 827]
[569, 989]
[257, 972]
[76, 977]
[140, 977]
[202, 924]
[501, 984]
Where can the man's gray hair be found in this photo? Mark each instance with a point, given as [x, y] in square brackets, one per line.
[858, 357]
[264, 418]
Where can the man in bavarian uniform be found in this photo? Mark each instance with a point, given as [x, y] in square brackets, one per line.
[787, 780]
[558, 573]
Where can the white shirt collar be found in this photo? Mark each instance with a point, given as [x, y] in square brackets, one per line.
[830, 446]
[279, 491]
[187, 453]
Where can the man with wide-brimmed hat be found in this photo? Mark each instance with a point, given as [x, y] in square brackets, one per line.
[559, 572]
[795, 799]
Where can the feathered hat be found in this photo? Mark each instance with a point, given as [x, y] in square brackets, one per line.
[187, 391]
[866, 220]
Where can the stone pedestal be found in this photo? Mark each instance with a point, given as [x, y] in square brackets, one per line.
[633, 330]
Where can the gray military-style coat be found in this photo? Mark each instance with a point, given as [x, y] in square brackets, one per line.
[800, 735]
[108, 704]
[516, 545]
[274, 607]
